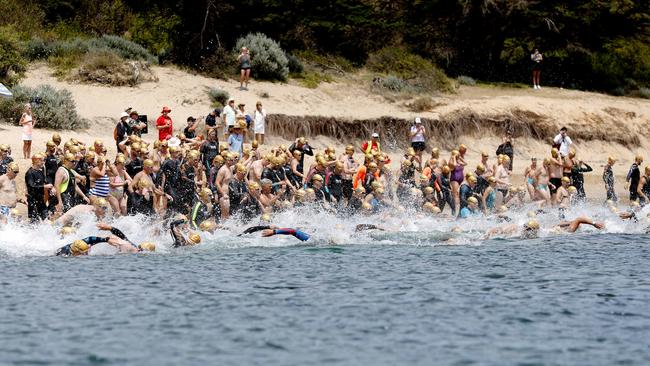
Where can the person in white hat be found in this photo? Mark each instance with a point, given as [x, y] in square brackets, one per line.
[122, 130]
[372, 145]
[418, 137]
[229, 115]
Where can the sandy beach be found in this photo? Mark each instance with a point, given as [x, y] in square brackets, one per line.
[596, 114]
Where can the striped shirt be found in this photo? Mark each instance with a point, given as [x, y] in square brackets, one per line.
[101, 188]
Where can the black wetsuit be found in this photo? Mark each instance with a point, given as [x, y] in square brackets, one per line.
[465, 192]
[250, 207]
[51, 165]
[134, 167]
[578, 180]
[275, 175]
[236, 191]
[406, 181]
[4, 163]
[35, 181]
[335, 187]
[138, 204]
[209, 150]
[171, 171]
[608, 178]
[305, 150]
[179, 240]
[481, 184]
[633, 177]
[200, 212]
[186, 187]
[445, 195]
[322, 194]
[69, 195]
[65, 251]
[83, 169]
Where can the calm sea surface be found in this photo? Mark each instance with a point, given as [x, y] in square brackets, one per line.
[573, 300]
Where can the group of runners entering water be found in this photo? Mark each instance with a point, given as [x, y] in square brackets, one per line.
[196, 186]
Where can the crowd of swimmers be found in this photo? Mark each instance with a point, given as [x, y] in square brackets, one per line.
[197, 184]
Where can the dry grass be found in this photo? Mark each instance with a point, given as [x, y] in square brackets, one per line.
[109, 69]
[449, 128]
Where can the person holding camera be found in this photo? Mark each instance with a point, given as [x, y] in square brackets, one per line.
[418, 137]
[136, 124]
[562, 142]
[28, 122]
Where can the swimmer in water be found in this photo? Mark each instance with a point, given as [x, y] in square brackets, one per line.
[117, 239]
[176, 228]
[271, 230]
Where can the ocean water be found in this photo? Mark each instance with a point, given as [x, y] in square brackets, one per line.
[575, 299]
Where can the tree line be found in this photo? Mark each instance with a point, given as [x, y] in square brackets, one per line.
[587, 44]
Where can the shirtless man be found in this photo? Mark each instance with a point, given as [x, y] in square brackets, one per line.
[8, 194]
[568, 163]
[97, 208]
[489, 169]
[224, 176]
[556, 172]
[145, 174]
[562, 197]
[531, 174]
[257, 167]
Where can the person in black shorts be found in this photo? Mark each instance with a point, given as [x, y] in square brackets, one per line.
[536, 58]
[418, 137]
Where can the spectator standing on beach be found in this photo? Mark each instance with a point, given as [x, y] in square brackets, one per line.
[135, 125]
[537, 59]
[245, 68]
[229, 116]
[190, 129]
[259, 123]
[28, 122]
[562, 142]
[164, 125]
[236, 138]
[122, 130]
[212, 118]
[418, 137]
[506, 149]
[371, 145]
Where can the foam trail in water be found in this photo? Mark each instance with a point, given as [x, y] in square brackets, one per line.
[402, 228]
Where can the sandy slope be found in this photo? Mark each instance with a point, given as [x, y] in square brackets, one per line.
[186, 94]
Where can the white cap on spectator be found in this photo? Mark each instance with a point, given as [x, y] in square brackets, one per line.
[418, 120]
[124, 114]
[375, 134]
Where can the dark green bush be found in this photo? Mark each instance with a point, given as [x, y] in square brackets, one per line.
[56, 110]
[623, 63]
[268, 60]
[124, 48]
[420, 74]
[12, 63]
[295, 66]
[218, 97]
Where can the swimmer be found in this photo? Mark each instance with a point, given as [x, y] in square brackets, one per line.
[176, 231]
[529, 230]
[80, 246]
[122, 243]
[271, 230]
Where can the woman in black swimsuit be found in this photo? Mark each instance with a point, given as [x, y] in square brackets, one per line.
[245, 67]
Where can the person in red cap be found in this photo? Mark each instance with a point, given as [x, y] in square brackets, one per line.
[164, 125]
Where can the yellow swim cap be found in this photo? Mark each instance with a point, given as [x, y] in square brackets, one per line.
[148, 246]
[208, 225]
[79, 247]
[67, 230]
[532, 224]
[195, 238]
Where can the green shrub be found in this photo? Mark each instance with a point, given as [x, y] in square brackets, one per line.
[644, 93]
[63, 65]
[110, 69]
[623, 60]
[218, 97]
[421, 74]
[295, 66]
[12, 63]
[268, 60]
[466, 80]
[423, 104]
[394, 83]
[38, 49]
[124, 48]
[56, 110]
